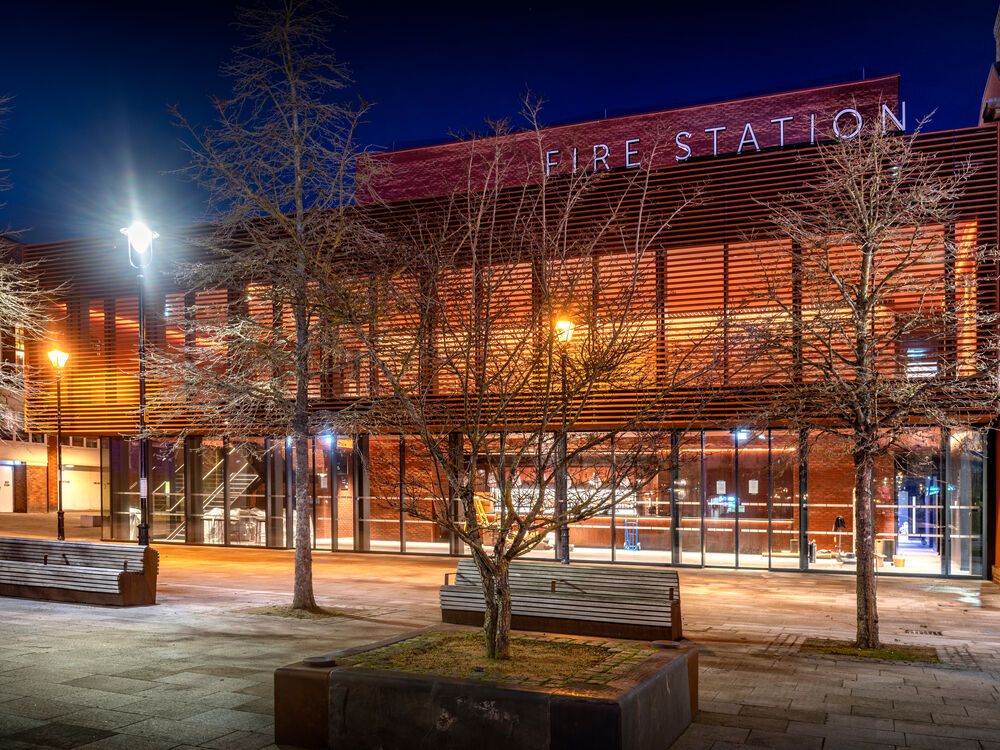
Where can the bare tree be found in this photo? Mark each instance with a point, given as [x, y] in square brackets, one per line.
[507, 323]
[279, 165]
[875, 319]
[24, 316]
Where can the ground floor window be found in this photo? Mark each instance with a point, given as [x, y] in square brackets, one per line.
[768, 499]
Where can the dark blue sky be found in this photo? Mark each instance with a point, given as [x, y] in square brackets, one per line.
[91, 81]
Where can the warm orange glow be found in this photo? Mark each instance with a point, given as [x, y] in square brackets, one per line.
[564, 330]
[58, 358]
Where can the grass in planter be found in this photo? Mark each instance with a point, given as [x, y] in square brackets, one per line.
[279, 610]
[895, 652]
[463, 655]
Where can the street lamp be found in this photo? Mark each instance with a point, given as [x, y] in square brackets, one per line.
[58, 360]
[140, 253]
[563, 328]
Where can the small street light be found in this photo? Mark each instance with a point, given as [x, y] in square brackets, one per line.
[58, 360]
[563, 328]
[140, 255]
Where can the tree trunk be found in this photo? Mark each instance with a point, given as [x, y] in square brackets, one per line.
[302, 596]
[864, 526]
[496, 625]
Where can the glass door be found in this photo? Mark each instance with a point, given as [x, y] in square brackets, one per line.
[721, 509]
[342, 497]
[323, 492]
[688, 500]
[752, 495]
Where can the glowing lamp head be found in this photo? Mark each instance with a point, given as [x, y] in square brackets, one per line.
[140, 237]
[58, 358]
[564, 330]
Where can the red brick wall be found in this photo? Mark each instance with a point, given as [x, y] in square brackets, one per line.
[37, 489]
[53, 473]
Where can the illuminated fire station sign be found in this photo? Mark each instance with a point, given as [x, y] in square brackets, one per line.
[669, 138]
[845, 124]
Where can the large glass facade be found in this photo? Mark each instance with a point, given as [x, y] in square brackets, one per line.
[757, 499]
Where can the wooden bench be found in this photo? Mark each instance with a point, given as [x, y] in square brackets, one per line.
[613, 601]
[86, 572]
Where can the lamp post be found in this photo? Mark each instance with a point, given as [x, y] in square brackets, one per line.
[58, 360]
[140, 253]
[564, 333]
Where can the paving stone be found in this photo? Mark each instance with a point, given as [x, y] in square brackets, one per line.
[100, 718]
[719, 707]
[259, 706]
[935, 742]
[262, 690]
[58, 735]
[907, 714]
[78, 695]
[974, 730]
[703, 736]
[243, 720]
[131, 742]
[854, 721]
[112, 684]
[163, 708]
[37, 708]
[178, 731]
[241, 741]
[743, 720]
[205, 696]
[781, 741]
[208, 682]
[13, 724]
[839, 732]
[790, 714]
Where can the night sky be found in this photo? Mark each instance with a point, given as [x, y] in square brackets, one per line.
[91, 138]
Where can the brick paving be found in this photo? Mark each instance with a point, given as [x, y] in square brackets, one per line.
[196, 670]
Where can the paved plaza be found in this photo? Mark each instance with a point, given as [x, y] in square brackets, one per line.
[196, 670]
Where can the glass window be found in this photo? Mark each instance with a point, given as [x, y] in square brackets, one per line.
[426, 497]
[167, 482]
[246, 492]
[206, 514]
[688, 496]
[784, 499]
[830, 505]
[643, 480]
[753, 497]
[966, 489]
[383, 485]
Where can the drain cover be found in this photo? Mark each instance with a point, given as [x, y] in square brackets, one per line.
[922, 632]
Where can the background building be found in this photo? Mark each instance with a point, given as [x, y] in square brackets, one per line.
[740, 497]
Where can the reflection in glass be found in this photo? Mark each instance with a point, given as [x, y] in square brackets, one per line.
[168, 496]
[720, 499]
[246, 492]
[207, 512]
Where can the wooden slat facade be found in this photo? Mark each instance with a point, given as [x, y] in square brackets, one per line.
[703, 265]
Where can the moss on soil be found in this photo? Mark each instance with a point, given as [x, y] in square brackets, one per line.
[277, 610]
[895, 652]
[463, 655]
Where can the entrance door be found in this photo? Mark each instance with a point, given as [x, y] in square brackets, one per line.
[721, 509]
[6, 489]
[342, 492]
[752, 497]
